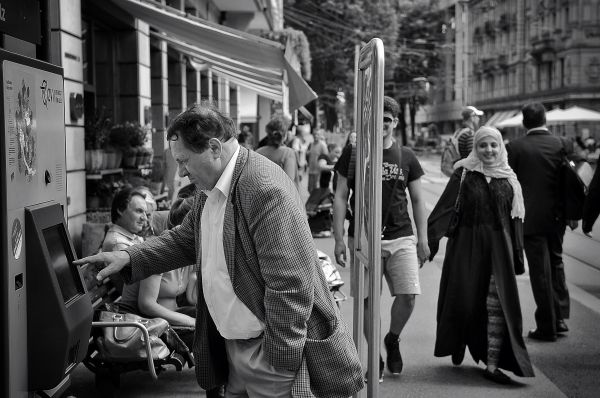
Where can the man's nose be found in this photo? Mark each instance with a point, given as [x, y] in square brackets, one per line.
[182, 171]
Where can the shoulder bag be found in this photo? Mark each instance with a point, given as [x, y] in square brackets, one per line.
[455, 218]
[127, 343]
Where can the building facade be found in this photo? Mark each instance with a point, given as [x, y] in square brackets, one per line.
[508, 52]
[146, 61]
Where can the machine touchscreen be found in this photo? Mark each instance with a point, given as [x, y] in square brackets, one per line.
[62, 263]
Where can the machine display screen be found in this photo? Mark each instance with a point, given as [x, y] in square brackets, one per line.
[62, 262]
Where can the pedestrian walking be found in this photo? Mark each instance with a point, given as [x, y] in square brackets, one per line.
[591, 208]
[278, 153]
[317, 148]
[471, 117]
[403, 252]
[536, 159]
[481, 211]
[266, 323]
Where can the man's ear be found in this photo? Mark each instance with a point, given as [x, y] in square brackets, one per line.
[215, 146]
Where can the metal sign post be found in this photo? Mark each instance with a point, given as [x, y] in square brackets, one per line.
[367, 221]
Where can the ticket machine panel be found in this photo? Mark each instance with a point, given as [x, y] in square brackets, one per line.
[32, 171]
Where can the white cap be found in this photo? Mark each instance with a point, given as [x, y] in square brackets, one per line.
[468, 110]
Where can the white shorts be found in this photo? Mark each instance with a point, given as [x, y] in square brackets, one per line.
[400, 266]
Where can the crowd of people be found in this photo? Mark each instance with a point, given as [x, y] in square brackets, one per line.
[235, 263]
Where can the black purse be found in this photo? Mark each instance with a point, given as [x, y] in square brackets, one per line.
[455, 217]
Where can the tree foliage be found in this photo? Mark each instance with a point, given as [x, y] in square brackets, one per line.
[421, 34]
[333, 28]
[410, 30]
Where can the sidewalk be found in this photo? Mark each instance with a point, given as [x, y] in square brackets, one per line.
[427, 376]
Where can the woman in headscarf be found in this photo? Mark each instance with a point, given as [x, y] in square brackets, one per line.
[481, 211]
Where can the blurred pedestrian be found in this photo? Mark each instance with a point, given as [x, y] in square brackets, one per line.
[317, 148]
[300, 145]
[536, 158]
[403, 252]
[591, 208]
[319, 205]
[478, 302]
[278, 153]
[266, 323]
[327, 164]
[245, 138]
[470, 123]
[351, 139]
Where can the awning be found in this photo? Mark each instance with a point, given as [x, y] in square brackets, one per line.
[266, 82]
[500, 116]
[229, 50]
[572, 114]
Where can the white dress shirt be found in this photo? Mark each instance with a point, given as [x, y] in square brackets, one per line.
[232, 318]
[541, 128]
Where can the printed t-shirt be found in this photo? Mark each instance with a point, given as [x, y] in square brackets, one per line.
[398, 221]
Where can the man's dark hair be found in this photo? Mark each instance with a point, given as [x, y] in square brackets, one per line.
[534, 115]
[121, 201]
[198, 124]
[276, 129]
[390, 105]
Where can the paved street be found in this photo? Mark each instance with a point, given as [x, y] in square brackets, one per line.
[569, 367]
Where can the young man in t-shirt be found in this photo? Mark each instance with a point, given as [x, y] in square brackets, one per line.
[402, 252]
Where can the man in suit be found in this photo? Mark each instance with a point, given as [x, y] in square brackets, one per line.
[591, 208]
[536, 159]
[266, 323]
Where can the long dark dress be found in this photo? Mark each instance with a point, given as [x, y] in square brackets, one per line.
[486, 240]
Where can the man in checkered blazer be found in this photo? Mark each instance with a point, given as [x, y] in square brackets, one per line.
[266, 323]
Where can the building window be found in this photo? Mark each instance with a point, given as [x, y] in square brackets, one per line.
[561, 71]
[87, 52]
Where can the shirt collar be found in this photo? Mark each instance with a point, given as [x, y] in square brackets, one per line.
[120, 230]
[224, 182]
[541, 128]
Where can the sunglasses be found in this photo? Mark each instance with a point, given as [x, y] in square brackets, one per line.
[387, 120]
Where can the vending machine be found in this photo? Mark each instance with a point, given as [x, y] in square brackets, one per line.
[46, 314]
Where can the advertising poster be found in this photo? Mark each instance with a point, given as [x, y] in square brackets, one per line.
[34, 134]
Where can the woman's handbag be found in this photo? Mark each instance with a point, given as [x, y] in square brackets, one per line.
[127, 343]
[455, 217]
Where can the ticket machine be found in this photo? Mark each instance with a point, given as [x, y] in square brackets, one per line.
[46, 313]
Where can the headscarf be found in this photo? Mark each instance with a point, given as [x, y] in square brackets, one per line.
[500, 168]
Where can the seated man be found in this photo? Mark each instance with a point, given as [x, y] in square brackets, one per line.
[167, 295]
[128, 216]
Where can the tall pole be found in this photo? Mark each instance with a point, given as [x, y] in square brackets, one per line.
[358, 309]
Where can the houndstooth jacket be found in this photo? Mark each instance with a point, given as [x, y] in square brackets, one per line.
[275, 272]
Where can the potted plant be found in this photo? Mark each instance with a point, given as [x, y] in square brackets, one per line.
[96, 133]
[157, 176]
[129, 137]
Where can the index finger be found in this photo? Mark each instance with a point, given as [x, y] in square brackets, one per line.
[96, 258]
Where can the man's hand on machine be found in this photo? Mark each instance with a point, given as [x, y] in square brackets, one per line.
[112, 262]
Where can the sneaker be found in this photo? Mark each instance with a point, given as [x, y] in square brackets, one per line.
[394, 359]
[381, 367]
